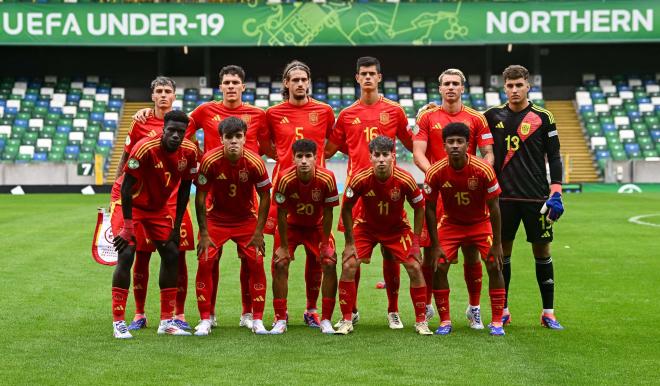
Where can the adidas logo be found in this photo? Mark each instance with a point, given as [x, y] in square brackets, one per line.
[152, 133]
[221, 177]
[549, 281]
[342, 302]
[159, 165]
[371, 194]
[295, 196]
[546, 234]
[201, 298]
[500, 125]
[217, 118]
[284, 120]
[447, 185]
[119, 308]
[356, 121]
[259, 299]
[437, 126]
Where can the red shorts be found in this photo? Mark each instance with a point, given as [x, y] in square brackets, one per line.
[157, 224]
[240, 233]
[310, 238]
[397, 242]
[187, 234]
[117, 222]
[452, 236]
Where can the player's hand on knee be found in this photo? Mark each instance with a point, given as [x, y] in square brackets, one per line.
[257, 241]
[414, 249]
[203, 246]
[142, 115]
[438, 256]
[327, 251]
[282, 254]
[554, 207]
[349, 253]
[175, 236]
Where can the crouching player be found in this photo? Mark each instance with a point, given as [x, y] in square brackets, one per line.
[305, 196]
[230, 174]
[155, 167]
[471, 221]
[383, 188]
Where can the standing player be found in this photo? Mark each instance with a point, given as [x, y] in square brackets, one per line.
[428, 148]
[525, 136]
[206, 117]
[370, 116]
[471, 220]
[229, 176]
[306, 195]
[298, 117]
[162, 94]
[383, 189]
[156, 167]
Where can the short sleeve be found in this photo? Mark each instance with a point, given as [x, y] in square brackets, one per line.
[492, 186]
[423, 125]
[483, 134]
[431, 188]
[260, 176]
[338, 135]
[332, 195]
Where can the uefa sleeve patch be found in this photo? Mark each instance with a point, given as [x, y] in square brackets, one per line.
[349, 192]
[280, 198]
[133, 163]
[128, 140]
[427, 188]
[552, 133]
[201, 179]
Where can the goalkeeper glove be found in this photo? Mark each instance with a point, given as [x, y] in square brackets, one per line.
[555, 205]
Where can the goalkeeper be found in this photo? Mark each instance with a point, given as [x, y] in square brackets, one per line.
[525, 136]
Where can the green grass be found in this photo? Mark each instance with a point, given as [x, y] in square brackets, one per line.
[56, 320]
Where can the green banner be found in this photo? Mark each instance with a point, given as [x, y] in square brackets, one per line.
[331, 23]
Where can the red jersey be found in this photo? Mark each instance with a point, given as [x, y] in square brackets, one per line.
[288, 123]
[305, 201]
[158, 172]
[358, 124]
[231, 185]
[208, 115]
[151, 128]
[383, 201]
[432, 121]
[464, 192]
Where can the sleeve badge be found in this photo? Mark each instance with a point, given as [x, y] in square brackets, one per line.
[133, 163]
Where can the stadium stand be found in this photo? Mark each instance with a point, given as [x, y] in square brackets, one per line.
[620, 116]
[58, 119]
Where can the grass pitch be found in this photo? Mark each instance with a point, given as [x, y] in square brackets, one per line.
[56, 315]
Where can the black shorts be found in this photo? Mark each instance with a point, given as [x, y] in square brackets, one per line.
[537, 229]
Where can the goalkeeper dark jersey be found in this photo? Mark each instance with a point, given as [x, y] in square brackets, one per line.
[523, 140]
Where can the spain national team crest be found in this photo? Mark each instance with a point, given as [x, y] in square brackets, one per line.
[384, 118]
[243, 175]
[314, 118]
[473, 183]
[524, 128]
[246, 118]
[395, 194]
[181, 165]
[316, 195]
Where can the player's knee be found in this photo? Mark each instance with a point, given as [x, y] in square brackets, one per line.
[443, 269]
[492, 267]
[282, 267]
[349, 267]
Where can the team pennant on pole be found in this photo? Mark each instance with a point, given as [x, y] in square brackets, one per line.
[103, 251]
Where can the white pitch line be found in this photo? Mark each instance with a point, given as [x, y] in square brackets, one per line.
[637, 219]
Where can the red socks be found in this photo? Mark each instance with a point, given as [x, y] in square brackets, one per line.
[313, 277]
[167, 303]
[279, 305]
[497, 297]
[140, 279]
[204, 287]
[246, 300]
[215, 276]
[327, 308]
[427, 270]
[442, 304]
[347, 298]
[181, 284]
[257, 286]
[357, 285]
[391, 273]
[119, 296]
[473, 276]
[418, 296]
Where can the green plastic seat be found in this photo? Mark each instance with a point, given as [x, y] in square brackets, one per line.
[56, 157]
[619, 156]
[30, 138]
[86, 157]
[24, 157]
[649, 153]
[18, 131]
[47, 131]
